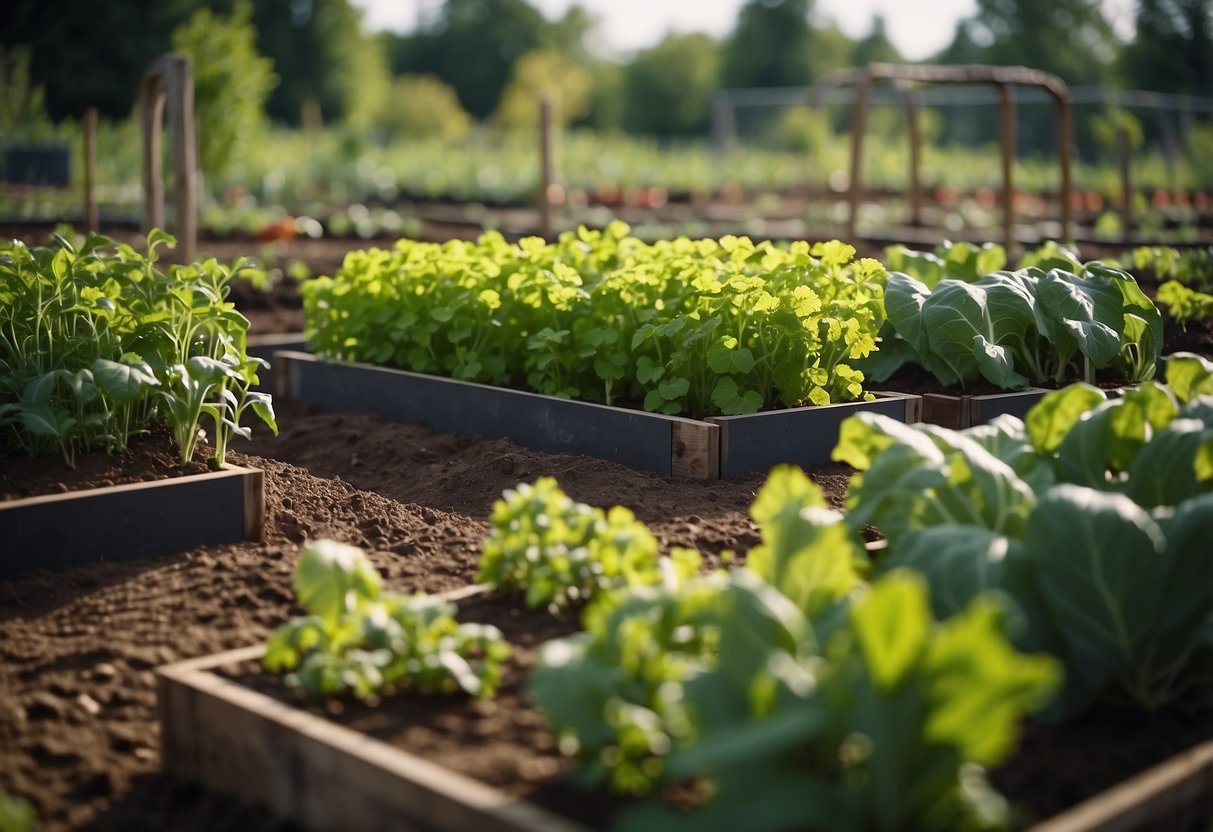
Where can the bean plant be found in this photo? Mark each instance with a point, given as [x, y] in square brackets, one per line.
[97, 345]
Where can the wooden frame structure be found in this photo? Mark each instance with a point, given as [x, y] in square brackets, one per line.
[168, 89]
[1002, 78]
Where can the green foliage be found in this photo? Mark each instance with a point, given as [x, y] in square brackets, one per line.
[771, 46]
[231, 82]
[97, 344]
[559, 551]
[684, 326]
[1042, 324]
[837, 706]
[1183, 304]
[360, 639]
[422, 106]
[16, 814]
[1088, 515]
[668, 88]
[1193, 267]
[22, 102]
[539, 74]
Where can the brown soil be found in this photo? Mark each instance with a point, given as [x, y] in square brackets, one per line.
[78, 730]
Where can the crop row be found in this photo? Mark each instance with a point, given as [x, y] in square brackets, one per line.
[1032, 567]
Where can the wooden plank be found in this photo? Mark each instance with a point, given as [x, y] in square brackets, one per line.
[958, 412]
[240, 742]
[1175, 794]
[696, 450]
[631, 437]
[264, 347]
[323, 776]
[132, 522]
[798, 436]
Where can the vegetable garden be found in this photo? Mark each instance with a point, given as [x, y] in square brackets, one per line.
[916, 627]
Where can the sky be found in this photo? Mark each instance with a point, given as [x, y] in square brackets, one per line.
[918, 28]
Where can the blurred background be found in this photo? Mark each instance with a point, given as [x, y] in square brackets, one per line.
[369, 119]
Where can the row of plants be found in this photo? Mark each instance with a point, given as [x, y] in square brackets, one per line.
[708, 327]
[959, 314]
[1032, 567]
[683, 326]
[98, 345]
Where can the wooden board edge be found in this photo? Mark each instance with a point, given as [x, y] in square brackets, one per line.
[130, 487]
[913, 403]
[273, 339]
[254, 505]
[695, 450]
[189, 690]
[943, 410]
[1141, 802]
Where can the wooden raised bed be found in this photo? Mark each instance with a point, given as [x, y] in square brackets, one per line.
[132, 522]
[958, 412]
[326, 777]
[666, 445]
[264, 347]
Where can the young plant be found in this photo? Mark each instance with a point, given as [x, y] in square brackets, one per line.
[558, 551]
[1183, 304]
[360, 639]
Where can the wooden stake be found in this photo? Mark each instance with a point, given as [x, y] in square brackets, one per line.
[546, 176]
[92, 220]
[1126, 182]
[1006, 123]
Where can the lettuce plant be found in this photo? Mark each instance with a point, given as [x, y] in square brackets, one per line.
[1090, 514]
[558, 551]
[358, 638]
[1184, 304]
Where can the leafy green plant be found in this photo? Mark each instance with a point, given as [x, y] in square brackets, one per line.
[1192, 267]
[696, 327]
[356, 637]
[1022, 327]
[558, 551]
[1183, 304]
[791, 688]
[97, 345]
[1089, 514]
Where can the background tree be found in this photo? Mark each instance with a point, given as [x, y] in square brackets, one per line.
[771, 45]
[1173, 47]
[544, 72]
[231, 81]
[669, 87]
[90, 54]
[422, 106]
[875, 47]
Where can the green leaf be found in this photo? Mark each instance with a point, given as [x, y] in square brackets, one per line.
[1091, 312]
[1052, 418]
[1189, 376]
[333, 578]
[892, 626]
[979, 687]
[123, 381]
[732, 401]
[959, 563]
[674, 388]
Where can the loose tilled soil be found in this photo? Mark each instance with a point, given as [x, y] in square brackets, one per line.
[78, 731]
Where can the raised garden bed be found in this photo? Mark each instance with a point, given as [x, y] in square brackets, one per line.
[235, 740]
[667, 445]
[133, 521]
[264, 347]
[968, 410]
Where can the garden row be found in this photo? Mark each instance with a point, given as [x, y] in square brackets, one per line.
[895, 670]
[1047, 567]
[727, 356]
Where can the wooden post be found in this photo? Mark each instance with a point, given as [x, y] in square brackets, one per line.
[1006, 123]
[152, 112]
[545, 167]
[170, 79]
[185, 155]
[910, 104]
[92, 220]
[858, 121]
[1063, 155]
[1126, 182]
